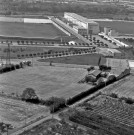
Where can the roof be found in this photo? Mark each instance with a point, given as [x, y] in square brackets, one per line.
[81, 18]
[118, 65]
[78, 27]
[95, 73]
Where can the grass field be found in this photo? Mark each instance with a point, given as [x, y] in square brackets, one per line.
[47, 81]
[123, 89]
[119, 26]
[29, 30]
[88, 59]
[16, 112]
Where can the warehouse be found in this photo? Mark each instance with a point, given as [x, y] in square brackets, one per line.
[91, 26]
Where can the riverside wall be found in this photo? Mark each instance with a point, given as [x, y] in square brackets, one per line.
[24, 20]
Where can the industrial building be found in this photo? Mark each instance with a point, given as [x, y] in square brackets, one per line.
[84, 24]
[80, 30]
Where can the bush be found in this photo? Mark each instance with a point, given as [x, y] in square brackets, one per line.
[113, 95]
[17, 66]
[127, 100]
[6, 69]
[104, 67]
[54, 103]
[90, 68]
[12, 67]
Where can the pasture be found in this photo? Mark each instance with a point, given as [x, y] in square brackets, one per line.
[120, 26]
[18, 113]
[47, 80]
[14, 29]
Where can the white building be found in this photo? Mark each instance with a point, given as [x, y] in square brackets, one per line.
[91, 26]
[110, 32]
[107, 30]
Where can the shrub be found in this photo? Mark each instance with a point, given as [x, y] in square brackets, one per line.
[113, 95]
[129, 101]
[12, 67]
[54, 103]
[104, 67]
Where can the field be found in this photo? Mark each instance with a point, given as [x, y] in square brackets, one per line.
[120, 26]
[124, 88]
[29, 30]
[17, 113]
[47, 80]
[104, 115]
[88, 59]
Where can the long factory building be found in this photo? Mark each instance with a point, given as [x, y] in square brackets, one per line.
[83, 26]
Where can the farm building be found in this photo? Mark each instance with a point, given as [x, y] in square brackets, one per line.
[120, 67]
[92, 76]
[96, 73]
[90, 26]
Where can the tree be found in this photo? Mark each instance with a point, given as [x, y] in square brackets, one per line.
[18, 42]
[29, 94]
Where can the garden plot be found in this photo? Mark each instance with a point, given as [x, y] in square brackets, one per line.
[18, 113]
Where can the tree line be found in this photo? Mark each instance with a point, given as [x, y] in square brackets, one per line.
[54, 7]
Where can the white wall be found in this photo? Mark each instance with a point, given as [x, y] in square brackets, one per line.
[11, 19]
[30, 20]
[24, 20]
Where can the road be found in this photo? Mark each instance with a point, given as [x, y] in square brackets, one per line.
[31, 125]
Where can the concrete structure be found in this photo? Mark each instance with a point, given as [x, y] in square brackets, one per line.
[106, 30]
[33, 20]
[24, 20]
[110, 32]
[11, 19]
[113, 33]
[91, 26]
